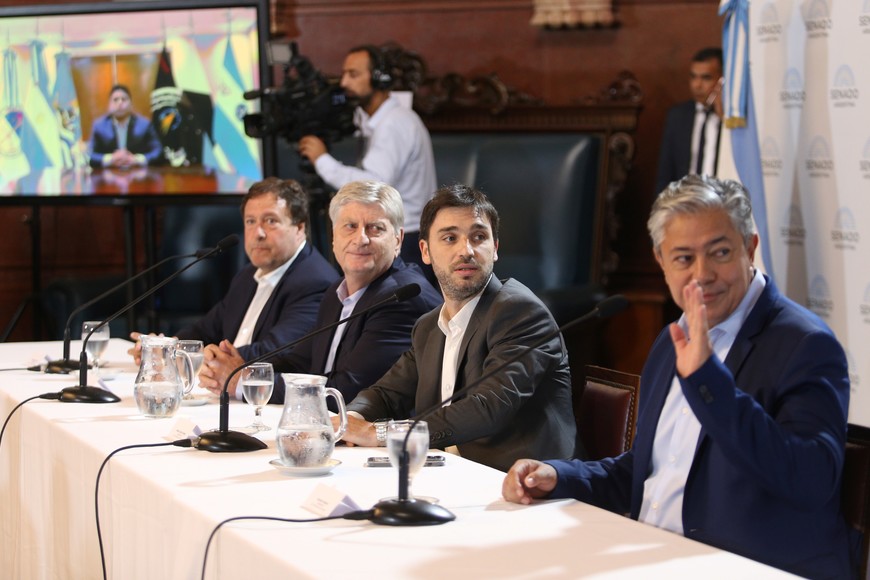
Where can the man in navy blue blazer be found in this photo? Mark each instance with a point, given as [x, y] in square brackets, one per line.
[743, 405]
[121, 138]
[274, 299]
[367, 219]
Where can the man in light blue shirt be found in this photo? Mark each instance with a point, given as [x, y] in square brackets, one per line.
[743, 405]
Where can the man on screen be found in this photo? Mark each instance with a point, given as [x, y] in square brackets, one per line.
[121, 138]
[743, 402]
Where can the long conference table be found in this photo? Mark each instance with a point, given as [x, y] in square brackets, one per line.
[158, 506]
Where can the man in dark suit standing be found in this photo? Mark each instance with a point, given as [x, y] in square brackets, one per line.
[367, 218]
[524, 410]
[121, 138]
[743, 405]
[274, 299]
[690, 142]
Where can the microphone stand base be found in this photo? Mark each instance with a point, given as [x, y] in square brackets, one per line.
[228, 442]
[409, 512]
[86, 394]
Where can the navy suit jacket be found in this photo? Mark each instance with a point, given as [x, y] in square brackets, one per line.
[289, 313]
[675, 150]
[371, 343]
[523, 411]
[141, 139]
[765, 481]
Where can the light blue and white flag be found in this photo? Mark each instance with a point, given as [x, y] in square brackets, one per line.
[13, 161]
[66, 106]
[739, 110]
[233, 148]
[40, 136]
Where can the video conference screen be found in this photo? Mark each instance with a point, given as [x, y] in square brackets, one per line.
[130, 98]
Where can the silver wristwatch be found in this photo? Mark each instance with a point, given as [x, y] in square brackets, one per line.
[381, 431]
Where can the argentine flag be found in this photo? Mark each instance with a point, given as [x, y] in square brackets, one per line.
[234, 153]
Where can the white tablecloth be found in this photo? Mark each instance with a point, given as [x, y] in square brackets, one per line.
[158, 506]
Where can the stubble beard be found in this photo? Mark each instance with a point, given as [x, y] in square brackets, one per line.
[459, 292]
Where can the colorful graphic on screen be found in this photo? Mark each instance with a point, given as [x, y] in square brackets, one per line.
[129, 102]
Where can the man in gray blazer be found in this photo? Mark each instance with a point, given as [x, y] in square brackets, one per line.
[523, 409]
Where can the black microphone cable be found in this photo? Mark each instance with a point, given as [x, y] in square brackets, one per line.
[50, 396]
[176, 443]
[354, 515]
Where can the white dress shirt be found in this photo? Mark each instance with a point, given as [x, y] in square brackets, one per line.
[454, 330]
[398, 152]
[711, 140]
[265, 286]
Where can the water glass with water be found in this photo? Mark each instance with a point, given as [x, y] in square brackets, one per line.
[194, 348]
[417, 444]
[98, 340]
[257, 381]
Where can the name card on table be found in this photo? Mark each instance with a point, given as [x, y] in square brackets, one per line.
[183, 428]
[327, 501]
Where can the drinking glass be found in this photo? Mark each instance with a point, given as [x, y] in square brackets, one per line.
[418, 445]
[195, 349]
[256, 381]
[98, 341]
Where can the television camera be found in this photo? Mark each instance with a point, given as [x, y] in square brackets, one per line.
[306, 104]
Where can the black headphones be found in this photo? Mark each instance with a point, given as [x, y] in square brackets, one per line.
[381, 79]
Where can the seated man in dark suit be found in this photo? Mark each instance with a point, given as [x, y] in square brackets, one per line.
[743, 403]
[275, 298]
[524, 410]
[121, 138]
[690, 141]
[367, 218]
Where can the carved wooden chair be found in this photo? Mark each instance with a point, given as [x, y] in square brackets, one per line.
[856, 496]
[606, 412]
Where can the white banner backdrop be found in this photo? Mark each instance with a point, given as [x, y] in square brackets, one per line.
[811, 77]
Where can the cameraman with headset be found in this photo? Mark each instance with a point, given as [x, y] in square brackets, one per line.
[397, 149]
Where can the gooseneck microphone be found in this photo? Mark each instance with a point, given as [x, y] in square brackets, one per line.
[403, 511]
[224, 440]
[66, 364]
[82, 393]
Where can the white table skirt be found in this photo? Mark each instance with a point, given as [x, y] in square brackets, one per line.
[158, 506]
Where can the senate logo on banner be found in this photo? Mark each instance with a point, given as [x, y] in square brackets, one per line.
[792, 95]
[771, 160]
[864, 307]
[854, 377]
[844, 93]
[817, 19]
[819, 162]
[864, 162]
[845, 234]
[769, 29]
[864, 18]
[819, 299]
[793, 232]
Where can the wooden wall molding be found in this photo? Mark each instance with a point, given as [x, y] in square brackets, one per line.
[332, 7]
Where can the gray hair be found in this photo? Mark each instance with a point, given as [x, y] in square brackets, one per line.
[694, 194]
[370, 192]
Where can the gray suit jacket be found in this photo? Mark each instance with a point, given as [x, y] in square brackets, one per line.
[523, 411]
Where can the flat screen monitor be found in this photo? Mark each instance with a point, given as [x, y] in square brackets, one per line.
[131, 98]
